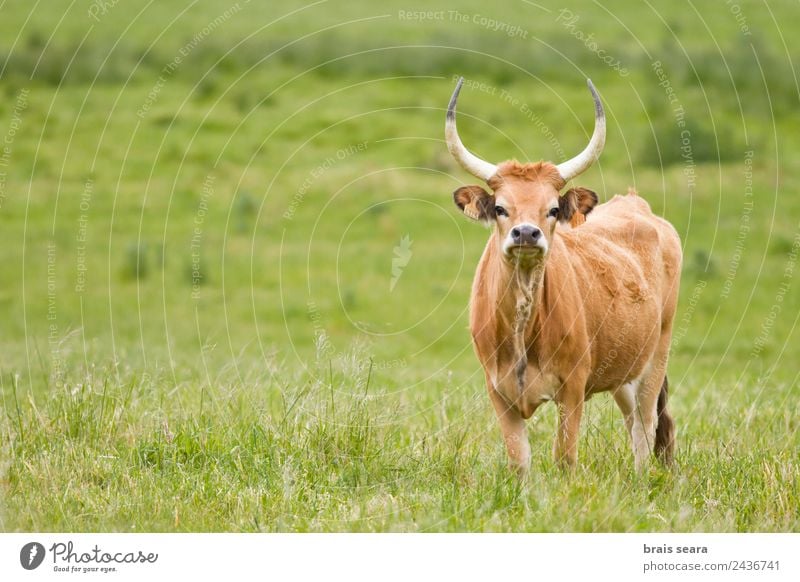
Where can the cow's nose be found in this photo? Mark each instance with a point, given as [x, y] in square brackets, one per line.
[525, 234]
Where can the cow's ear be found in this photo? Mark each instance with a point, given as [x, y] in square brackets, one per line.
[575, 204]
[475, 202]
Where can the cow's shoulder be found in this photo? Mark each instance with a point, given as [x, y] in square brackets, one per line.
[627, 221]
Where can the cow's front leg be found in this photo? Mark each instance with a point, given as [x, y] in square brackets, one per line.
[515, 433]
[570, 410]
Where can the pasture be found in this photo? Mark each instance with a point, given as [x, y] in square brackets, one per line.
[234, 284]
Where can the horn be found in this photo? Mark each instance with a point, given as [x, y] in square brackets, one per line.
[471, 163]
[586, 158]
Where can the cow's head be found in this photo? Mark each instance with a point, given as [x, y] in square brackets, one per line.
[526, 200]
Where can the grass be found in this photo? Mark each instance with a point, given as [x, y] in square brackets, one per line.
[327, 450]
[202, 330]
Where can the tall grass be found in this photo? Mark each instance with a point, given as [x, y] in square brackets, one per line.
[333, 448]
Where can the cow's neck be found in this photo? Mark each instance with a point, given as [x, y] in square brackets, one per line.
[522, 295]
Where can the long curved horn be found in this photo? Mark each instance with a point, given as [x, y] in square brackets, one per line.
[471, 163]
[586, 158]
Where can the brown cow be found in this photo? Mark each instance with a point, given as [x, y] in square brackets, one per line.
[570, 298]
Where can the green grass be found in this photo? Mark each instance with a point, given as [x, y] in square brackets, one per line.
[331, 449]
[236, 358]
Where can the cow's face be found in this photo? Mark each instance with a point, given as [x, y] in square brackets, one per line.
[525, 207]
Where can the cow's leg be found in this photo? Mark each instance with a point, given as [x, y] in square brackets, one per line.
[646, 439]
[625, 397]
[643, 433]
[515, 433]
[645, 415]
[570, 410]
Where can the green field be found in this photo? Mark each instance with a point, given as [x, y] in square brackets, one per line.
[235, 286]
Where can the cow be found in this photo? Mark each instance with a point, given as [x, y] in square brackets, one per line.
[570, 298]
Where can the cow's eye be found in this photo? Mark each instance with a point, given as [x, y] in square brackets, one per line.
[500, 211]
[553, 212]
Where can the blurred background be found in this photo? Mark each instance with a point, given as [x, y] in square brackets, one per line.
[217, 193]
[239, 178]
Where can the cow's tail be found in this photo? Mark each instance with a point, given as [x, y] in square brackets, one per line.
[665, 429]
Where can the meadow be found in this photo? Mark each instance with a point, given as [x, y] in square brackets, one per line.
[235, 286]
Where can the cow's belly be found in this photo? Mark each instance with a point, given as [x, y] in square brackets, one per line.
[623, 351]
[539, 387]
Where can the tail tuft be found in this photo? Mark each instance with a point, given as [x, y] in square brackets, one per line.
[665, 429]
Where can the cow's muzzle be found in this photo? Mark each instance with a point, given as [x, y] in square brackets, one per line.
[524, 239]
[525, 235]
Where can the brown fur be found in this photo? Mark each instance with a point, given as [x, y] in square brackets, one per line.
[603, 300]
[475, 202]
[575, 204]
[535, 172]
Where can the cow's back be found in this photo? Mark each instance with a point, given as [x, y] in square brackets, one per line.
[627, 265]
